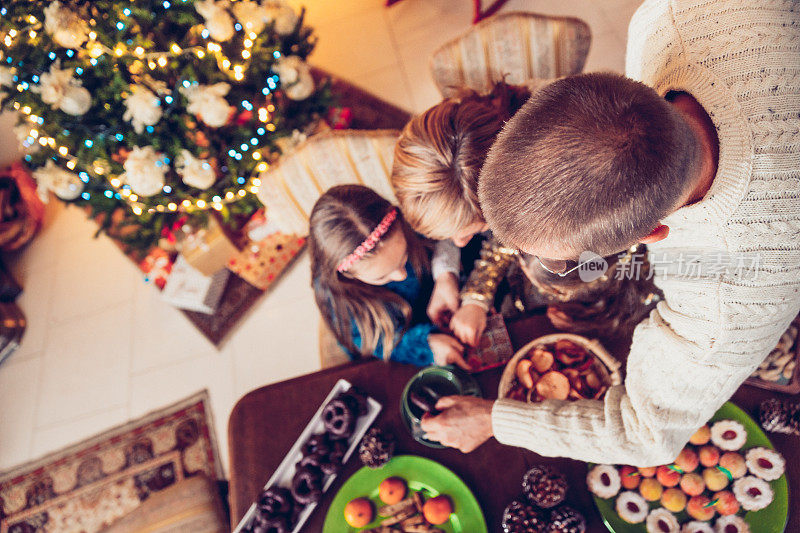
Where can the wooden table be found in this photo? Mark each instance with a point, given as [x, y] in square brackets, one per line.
[265, 423]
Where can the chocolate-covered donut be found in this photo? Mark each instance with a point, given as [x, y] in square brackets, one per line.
[275, 501]
[339, 418]
[314, 459]
[338, 450]
[322, 461]
[266, 523]
[329, 467]
[319, 443]
[307, 485]
[357, 401]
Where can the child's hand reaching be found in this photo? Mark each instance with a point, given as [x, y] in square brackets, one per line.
[444, 300]
[468, 323]
[447, 350]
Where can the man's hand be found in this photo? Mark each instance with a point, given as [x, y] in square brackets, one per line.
[468, 324]
[445, 299]
[447, 350]
[464, 423]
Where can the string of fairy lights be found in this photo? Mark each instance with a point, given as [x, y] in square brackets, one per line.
[154, 61]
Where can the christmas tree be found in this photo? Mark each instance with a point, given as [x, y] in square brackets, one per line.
[153, 112]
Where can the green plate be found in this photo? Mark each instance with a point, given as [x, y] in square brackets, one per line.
[771, 519]
[421, 474]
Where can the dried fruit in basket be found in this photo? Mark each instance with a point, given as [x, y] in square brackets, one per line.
[542, 360]
[553, 385]
[561, 369]
[523, 373]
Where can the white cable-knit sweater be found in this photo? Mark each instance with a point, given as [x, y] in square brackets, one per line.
[741, 61]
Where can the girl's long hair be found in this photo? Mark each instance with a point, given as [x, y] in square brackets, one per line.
[341, 220]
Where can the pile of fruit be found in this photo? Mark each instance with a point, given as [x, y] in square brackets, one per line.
[561, 370]
[711, 480]
[404, 510]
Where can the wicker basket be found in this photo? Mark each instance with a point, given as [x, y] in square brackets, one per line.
[607, 367]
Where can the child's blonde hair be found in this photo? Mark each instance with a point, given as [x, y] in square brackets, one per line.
[341, 220]
[439, 155]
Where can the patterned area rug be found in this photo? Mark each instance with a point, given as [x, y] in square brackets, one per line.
[87, 486]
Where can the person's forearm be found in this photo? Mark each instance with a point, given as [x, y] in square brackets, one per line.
[672, 388]
[490, 269]
[446, 258]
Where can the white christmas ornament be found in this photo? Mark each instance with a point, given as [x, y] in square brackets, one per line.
[250, 15]
[143, 108]
[66, 27]
[63, 183]
[218, 21]
[295, 75]
[144, 171]
[284, 17]
[77, 101]
[59, 89]
[195, 172]
[207, 102]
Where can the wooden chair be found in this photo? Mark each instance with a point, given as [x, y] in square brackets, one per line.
[330, 352]
[290, 187]
[515, 47]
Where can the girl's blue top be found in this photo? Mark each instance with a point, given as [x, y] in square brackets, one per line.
[412, 346]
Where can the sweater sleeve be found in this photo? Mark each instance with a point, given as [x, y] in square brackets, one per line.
[446, 258]
[411, 348]
[681, 368]
[490, 269]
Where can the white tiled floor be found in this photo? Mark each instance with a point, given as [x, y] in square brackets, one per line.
[102, 348]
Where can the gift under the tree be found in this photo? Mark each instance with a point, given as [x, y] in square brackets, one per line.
[157, 267]
[259, 228]
[209, 249]
[261, 262]
[188, 288]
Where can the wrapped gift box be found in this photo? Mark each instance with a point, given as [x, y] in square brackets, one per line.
[259, 228]
[262, 262]
[208, 249]
[188, 288]
[157, 266]
[494, 348]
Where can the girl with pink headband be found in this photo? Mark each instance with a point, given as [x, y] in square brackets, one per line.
[371, 278]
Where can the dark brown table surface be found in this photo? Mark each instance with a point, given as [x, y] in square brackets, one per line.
[265, 423]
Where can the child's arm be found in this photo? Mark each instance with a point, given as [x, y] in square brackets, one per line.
[445, 267]
[411, 348]
[421, 345]
[490, 269]
[479, 291]
[446, 258]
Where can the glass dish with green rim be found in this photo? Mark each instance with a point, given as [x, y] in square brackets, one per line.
[771, 519]
[420, 474]
[445, 381]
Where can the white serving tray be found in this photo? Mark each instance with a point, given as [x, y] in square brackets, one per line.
[285, 472]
